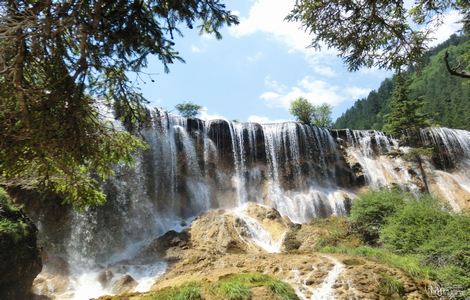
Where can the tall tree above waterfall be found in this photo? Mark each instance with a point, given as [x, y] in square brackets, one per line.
[383, 34]
[307, 113]
[302, 110]
[56, 59]
[406, 115]
[405, 120]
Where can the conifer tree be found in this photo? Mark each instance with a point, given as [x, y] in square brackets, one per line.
[405, 121]
[406, 117]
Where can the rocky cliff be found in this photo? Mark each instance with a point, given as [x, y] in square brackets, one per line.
[19, 253]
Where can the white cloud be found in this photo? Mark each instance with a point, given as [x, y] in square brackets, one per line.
[357, 92]
[196, 49]
[324, 71]
[274, 85]
[205, 115]
[450, 25]
[256, 57]
[263, 120]
[267, 16]
[269, 96]
[316, 91]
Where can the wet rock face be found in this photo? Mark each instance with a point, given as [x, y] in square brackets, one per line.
[124, 284]
[19, 255]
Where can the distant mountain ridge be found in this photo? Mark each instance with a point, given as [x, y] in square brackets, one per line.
[446, 97]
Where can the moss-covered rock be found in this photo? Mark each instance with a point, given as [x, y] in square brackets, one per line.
[20, 260]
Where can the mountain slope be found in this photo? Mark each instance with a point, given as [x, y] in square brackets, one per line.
[446, 97]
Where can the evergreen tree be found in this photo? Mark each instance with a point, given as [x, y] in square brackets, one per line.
[406, 117]
[440, 92]
[405, 121]
[353, 27]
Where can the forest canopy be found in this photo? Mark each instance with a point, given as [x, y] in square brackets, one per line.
[445, 97]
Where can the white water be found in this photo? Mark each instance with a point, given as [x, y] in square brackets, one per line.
[325, 291]
[257, 233]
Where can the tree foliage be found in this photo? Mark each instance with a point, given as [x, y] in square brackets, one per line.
[383, 34]
[57, 58]
[417, 233]
[307, 113]
[370, 210]
[188, 109]
[405, 118]
[302, 110]
[321, 116]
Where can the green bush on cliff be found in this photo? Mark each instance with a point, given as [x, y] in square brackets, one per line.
[441, 238]
[370, 210]
[417, 223]
[12, 225]
[419, 235]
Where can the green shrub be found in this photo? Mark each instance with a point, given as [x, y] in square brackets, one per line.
[370, 210]
[415, 224]
[12, 225]
[391, 287]
[419, 235]
[188, 291]
[450, 245]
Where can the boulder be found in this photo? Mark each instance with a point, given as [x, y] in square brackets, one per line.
[124, 284]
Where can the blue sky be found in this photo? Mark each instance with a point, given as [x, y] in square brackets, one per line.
[259, 66]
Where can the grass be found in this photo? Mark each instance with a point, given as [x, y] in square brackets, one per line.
[229, 287]
[188, 291]
[337, 231]
[238, 286]
[409, 263]
[391, 287]
[232, 290]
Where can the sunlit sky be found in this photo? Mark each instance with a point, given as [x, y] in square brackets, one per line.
[259, 67]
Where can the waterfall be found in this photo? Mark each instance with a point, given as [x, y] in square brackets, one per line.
[191, 166]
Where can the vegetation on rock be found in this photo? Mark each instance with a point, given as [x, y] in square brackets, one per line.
[418, 235]
[19, 254]
[230, 287]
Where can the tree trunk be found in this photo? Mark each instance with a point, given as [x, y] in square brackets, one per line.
[423, 173]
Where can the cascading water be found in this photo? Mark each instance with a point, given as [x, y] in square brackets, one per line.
[257, 233]
[192, 166]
